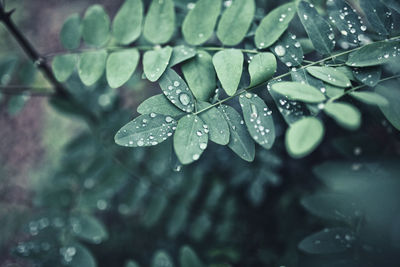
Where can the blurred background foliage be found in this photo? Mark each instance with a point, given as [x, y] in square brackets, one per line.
[70, 197]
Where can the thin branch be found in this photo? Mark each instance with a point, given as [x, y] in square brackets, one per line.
[33, 91]
[39, 61]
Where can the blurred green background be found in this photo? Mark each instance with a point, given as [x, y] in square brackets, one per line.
[69, 196]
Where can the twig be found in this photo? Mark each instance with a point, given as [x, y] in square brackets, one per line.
[39, 61]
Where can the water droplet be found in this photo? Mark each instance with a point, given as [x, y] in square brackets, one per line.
[280, 51]
[184, 99]
[203, 146]
[196, 156]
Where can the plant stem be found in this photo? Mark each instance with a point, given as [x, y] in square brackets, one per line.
[39, 61]
[27, 91]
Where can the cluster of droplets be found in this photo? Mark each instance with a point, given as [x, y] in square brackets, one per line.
[394, 52]
[343, 239]
[353, 24]
[256, 118]
[35, 226]
[67, 254]
[155, 128]
[26, 249]
[178, 91]
[289, 51]
[204, 130]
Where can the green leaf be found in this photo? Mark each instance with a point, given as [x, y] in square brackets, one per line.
[218, 128]
[240, 141]
[261, 68]
[274, 25]
[96, 26]
[180, 54]
[392, 111]
[159, 104]
[374, 54]
[91, 66]
[377, 16]
[369, 76]
[88, 228]
[188, 258]
[370, 98]
[200, 76]
[155, 62]
[177, 91]
[198, 25]
[120, 66]
[332, 206]
[190, 139]
[344, 114]
[347, 71]
[235, 22]
[82, 257]
[229, 66]
[304, 136]
[71, 32]
[331, 240]
[161, 259]
[299, 91]
[306, 45]
[318, 30]
[146, 130]
[330, 75]
[346, 20]
[302, 76]
[288, 50]
[258, 118]
[127, 24]
[159, 25]
[333, 91]
[63, 66]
